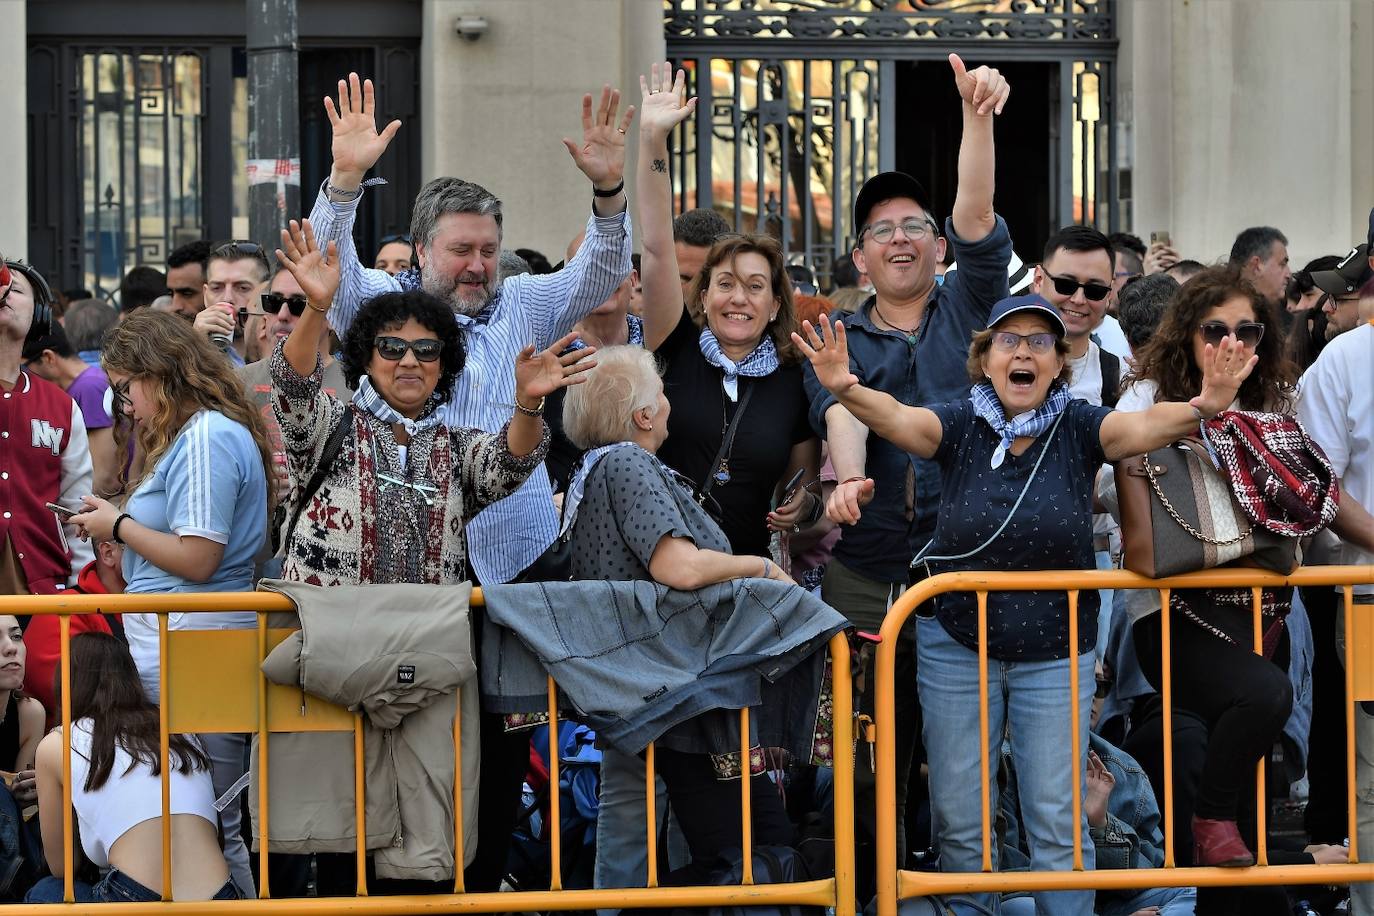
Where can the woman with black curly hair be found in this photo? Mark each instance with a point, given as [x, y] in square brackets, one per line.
[408, 483]
[1244, 697]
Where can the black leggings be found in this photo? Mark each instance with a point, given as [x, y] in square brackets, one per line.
[1244, 698]
[708, 809]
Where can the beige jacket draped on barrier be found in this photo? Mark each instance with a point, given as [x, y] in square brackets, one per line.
[401, 655]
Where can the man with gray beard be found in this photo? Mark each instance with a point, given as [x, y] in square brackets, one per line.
[456, 230]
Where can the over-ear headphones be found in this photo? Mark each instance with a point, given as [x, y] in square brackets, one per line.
[43, 299]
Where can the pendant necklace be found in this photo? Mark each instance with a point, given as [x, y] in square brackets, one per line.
[910, 335]
[722, 474]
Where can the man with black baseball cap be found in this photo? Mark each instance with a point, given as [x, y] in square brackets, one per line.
[909, 340]
[1343, 287]
[1336, 406]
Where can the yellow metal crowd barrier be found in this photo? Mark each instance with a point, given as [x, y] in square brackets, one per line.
[211, 682]
[895, 884]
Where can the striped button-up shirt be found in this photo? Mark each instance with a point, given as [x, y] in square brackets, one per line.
[510, 534]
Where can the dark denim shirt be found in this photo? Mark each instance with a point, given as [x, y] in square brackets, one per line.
[932, 372]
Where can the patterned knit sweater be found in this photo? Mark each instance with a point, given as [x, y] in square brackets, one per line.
[378, 518]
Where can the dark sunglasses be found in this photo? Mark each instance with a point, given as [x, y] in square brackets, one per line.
[426, 349]
[388, 239]
[1067, 286]
[272, 302]
[1249, 333]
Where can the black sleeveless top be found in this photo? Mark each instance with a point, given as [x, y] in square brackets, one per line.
[9, 735]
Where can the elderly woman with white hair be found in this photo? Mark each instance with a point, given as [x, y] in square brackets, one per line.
[633, 518]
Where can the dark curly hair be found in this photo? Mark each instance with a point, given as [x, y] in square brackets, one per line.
[1167, 359]
[388, 312]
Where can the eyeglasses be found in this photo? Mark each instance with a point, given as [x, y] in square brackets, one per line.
[1067, 286]
[1249, 333]
[1039, 344]
[120, 392]
[1334, 302]
[426, 349]
[394, 237]
[916, 230]
[243, 316]
[272, 302]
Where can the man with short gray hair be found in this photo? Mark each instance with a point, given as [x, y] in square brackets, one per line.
[1261, 254]
[456, 230]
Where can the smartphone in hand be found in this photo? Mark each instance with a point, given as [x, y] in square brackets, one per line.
[62, 511]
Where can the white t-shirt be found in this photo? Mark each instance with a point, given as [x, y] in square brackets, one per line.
[130, 796]
[1087, 375]
[1112, 337]
[1336, 406]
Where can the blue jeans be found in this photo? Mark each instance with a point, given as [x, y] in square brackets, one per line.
[621, 857]
[115, 887]
[1103, 558]
[228, 757]
[1172, 901]
[1029, 701]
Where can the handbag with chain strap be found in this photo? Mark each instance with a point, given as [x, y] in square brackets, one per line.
[1178, 515]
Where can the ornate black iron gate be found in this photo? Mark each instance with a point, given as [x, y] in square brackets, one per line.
[138, 126]
[798, 103]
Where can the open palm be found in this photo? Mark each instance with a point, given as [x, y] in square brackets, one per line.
[828, 352]
[316, 271]
[662, 106]
[601, 156]
[539, 374]
[357, 145]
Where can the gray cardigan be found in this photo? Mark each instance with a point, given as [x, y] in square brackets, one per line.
[641, 662]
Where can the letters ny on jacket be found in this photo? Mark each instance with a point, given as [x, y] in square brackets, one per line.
[45, 435]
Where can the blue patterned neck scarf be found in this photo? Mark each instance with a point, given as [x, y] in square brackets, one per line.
[369, 400]
[634, 327]
[578, 484]
[761, 361]
[1031, 423]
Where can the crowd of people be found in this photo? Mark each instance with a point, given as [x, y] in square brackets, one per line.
[694, 418]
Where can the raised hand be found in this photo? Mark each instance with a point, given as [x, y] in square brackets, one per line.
[984, 90]
[1100, 784]
[601, 157]
[357, 145]
[540, 374]
[316, 271]
[829, 355]
[662, 106]
[1224, 369]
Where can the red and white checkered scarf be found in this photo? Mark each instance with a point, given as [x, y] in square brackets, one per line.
[1281, 478]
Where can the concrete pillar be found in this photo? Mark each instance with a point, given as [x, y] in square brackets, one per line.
[14, 87]
[1250, 112]
[495, 109]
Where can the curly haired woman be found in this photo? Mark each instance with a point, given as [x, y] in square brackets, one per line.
[197, 515]
[1244, 697]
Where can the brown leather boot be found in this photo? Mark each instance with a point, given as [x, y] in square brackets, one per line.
[1219, 843]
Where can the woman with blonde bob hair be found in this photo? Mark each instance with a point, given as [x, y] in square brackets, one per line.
[631, 517]
[196, 516]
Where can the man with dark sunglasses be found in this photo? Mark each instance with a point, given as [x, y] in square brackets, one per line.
[282, 306]
[1076, 276]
